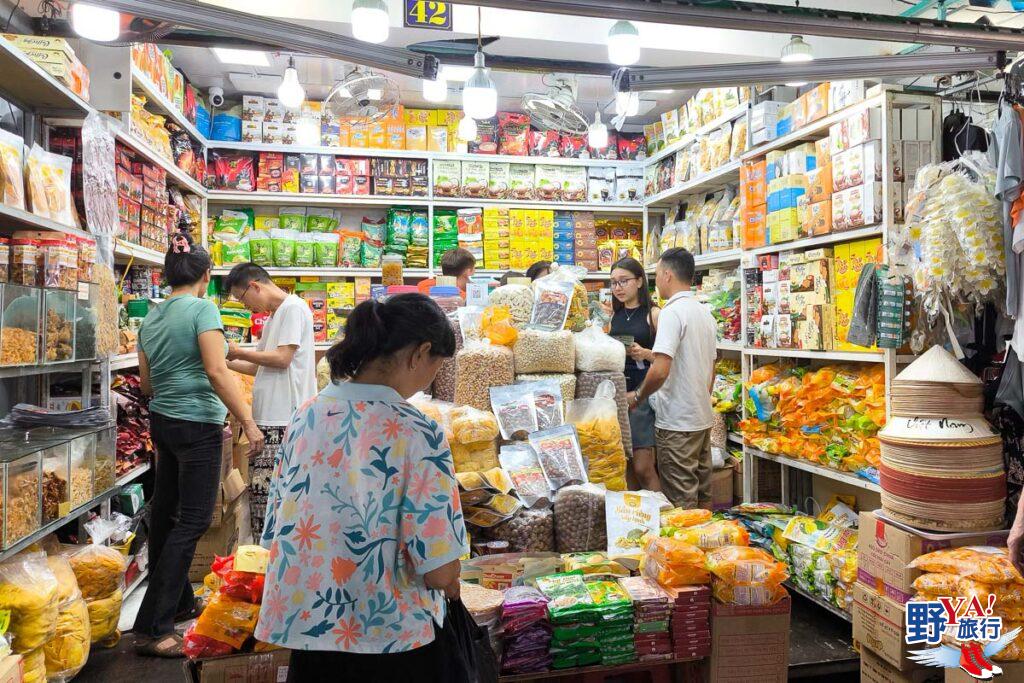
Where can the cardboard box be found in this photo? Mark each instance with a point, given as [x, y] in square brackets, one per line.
[721, 488]
[817, 219]
[857, 166]
[857, 207]
[231, 489]
[255, 667]
[749, 643]
[886, 548]
[874, 669]
[220, 540]
[878, 623]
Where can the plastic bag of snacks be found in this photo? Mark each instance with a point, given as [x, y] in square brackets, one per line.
[444, 381]
[715, 534]
[48, 177]
[518, 299]
[538, 350]
[558, 450]
[596, 351]
[551, 299]
[67, 652]
[437, 410]
[480, 366]
[586, 387]
[547, 402]
[748, 566]
[33, 666]
[679, 518]
[227, 620]
[597, 426]
[67, 584]
[473, 433]
[28, 589]
[756, 595]
[568, 597]
[100, 572]
[195, 646]
[514, 407]
[528, 531]
[674, 563]
[566, 383]
[496, 325]
[579, 519]
[526, 474]
[979, 563]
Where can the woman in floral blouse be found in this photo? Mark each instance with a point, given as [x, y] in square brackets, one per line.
[364, 524]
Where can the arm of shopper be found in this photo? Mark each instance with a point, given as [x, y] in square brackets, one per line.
[666, 344]
[244, 367]
[281, 357]
[655, 378]
[144, 383]
[211, 348]
[1016, 540]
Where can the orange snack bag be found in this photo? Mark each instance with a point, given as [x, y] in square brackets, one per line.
[981, 563]
[715, 534]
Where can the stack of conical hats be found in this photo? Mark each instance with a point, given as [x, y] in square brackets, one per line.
[942, 464]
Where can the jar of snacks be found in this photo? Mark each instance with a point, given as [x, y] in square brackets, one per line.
[59, 327]
[56, 491]
[19, 325]
[69, 264]
[51, 260]
[391, 270]
[86, 259]
[5, 259]
[24, 262]
[22, 500]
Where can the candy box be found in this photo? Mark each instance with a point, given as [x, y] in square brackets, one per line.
[857, 166]
[857, 207]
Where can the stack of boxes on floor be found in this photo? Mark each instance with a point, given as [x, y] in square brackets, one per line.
[691, 621]
[885, 584]
[231, 526]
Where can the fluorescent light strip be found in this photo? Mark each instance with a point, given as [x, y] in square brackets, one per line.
[230, 55]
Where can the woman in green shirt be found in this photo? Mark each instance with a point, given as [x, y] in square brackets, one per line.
[183, 367]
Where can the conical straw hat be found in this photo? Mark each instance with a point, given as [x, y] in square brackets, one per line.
[937, 365]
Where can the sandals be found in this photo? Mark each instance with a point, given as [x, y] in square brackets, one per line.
[166, 647]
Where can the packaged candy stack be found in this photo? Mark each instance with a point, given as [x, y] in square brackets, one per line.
[980, 571]
[574, 616]
[525, 630]
[691, 621]
[652, 612]
[615, 611]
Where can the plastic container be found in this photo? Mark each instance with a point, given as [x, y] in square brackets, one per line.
[25, 262]
[395, 290]
[51, 263]
[391, 266]
[448, 298]
[19, 325]
[82, 468]
[58, 328]
[106, 460]
[56, 486]
[86, 259]
[5, 260]
[85, 322]
[22, 501]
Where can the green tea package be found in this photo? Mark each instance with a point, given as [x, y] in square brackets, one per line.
[320, 219]
[235, 252]
[419, 229]
[568, 597]
[261, 248]
[292, 218]
[326, 244]
[350, 249]
[283, 246]
[304, 250]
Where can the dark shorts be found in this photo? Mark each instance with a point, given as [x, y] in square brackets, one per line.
[641, 424]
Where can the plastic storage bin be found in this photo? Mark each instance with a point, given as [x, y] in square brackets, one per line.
[85, 322]
[22, 501]
[19, 324]
[59, 326]
[106, 460]
[56, 486]
[82, 467]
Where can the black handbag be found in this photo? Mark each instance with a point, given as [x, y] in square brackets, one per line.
[466, 653]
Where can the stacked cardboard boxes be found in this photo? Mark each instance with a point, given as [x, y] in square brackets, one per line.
[790, 302]
[690, 624]
[565, 239]
[531, 237]
[749, 643]
[497, 238]
[56, 57]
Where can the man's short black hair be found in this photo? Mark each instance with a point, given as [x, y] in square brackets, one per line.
[455, 262]
[680, 262]
[243, 274]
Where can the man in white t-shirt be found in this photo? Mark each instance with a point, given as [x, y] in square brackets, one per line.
[680, 380]
[284, 364]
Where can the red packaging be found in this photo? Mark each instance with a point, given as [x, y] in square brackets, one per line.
[343, 183]
[544, 143]
[632, 146]
[359, 166]
[609, 152]
[360, 185]
[514, 134]
[234, 172]
[573, 147]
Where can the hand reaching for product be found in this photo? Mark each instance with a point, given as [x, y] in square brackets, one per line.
[254, 436]
[637, 352]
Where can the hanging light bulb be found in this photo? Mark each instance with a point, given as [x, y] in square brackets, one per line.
[623, 43]
[796, 50]
[627, 104]
[436, 90]
[95, 23]
[597, 133]
[467, 128]
[290, 92]
[370, 22]
[479, 96]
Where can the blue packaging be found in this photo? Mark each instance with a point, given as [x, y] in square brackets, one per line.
[203, 120]
[227, 127]
[565, 258]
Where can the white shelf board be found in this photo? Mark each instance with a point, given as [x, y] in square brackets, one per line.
[51, 368]
[724, 345]
[822, 240]
[139, 255]
[14, 219]
[713, 180]
[30, 85]
[554, 206]
[327, 272]
[820, 470]
[132, 475]
[733, 437]
[310, 199]
[158, 101]
[710, 260]
[686, 140]
[816, 129]
[124, 361]
[855, 356]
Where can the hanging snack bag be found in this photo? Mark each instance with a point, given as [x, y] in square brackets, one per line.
[49, 185]
[513, 406]
[558, 450]
[520, 461]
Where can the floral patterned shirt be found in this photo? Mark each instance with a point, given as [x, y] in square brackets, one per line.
[362, 504]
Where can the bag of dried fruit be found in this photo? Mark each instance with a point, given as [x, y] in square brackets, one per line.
[597, 425]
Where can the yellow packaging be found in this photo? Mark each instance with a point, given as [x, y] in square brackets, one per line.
[416, 137]
[843, 315]
[863, 252]
[448, 117]
[252, 558]
[818, 220]
[359, 135]
[841, 264]
[437, 138]
[395, 133]
[377, 136]
[418, 117]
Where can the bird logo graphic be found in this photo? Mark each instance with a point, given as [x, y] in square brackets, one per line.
[974, 658]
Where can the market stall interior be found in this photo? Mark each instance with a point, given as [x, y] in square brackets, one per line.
[846, 179]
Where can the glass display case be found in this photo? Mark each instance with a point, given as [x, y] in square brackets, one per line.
[83, 465]
[106, 460]
[56, 482]
[85, 322]
[19, 325]
[21, 503]
[59, 326]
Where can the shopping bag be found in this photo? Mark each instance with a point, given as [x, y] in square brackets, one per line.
[466, 651]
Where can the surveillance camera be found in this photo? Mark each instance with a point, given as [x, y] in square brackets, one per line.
[216, 97]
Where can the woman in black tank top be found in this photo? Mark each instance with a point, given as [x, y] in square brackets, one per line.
[636, 316]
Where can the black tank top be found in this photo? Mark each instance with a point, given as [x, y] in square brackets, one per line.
[636, 323]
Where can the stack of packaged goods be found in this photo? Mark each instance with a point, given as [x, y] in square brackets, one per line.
[446, 233]
[822, 552]
[726, 392]
[652, 613]
[565, 239]
[585, 238]
[977, 571]
[56, 57]
[100, 570]
[746, 576]
[691, 621]
[29, 594]
[526, 633]
[470, 232]
[235, 593]
[67, 652]
[674, 563]
[720, 290]
[615, 614]
[497, 242]
[574, 617]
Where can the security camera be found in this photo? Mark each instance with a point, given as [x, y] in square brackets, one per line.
[216, 97]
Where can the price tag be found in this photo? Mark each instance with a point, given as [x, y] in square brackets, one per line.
[83, 291]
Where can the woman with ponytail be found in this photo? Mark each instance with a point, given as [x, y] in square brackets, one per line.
[363, 519]
[182, 365]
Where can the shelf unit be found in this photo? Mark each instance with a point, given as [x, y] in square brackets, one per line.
[309, 199]
[712, 180]
[853, 356]
[687, 140]
[127, 252]
[725, 345]
[820, 470]
[820, 241]
[329, 272]
[819, 601]
[28, 84]
[124, 361]
[158, 101]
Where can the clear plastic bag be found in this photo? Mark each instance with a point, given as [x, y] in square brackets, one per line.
[518, 299]
[67, 652]
[558, 450]
[496, 325]
[596, 351]
[981, 563]
[28, 589]
[99, 569]
[539, 351]
[551, 298]
[480, 366]
[597, 427]
[49, 185]
[547, 402]
[470, 425]
[515, 410]
[528, 531]
[579, 519]
[67, 583]
[748, 566]
[523, 467]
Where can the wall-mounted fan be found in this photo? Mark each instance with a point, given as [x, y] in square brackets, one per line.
[556, 109]
[364, 94]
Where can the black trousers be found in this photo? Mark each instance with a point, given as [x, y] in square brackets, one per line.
[422, 665]
[188, 457]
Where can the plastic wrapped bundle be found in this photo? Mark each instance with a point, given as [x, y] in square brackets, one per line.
[674, 563]
[597, 426]
[746, 576]
[444, 382]
[195, 646]
[586, 387]
[724, 532]
[33, 664]
[67, 583]
[28, 589]
[597, 352]
[480, 366]
[543, 351]
[473, 435]
[579, 519]
[518, 299]
[67, 652]
[228, 621]
[104, 613]
[529, 531]
[99, 570]
[566, 382]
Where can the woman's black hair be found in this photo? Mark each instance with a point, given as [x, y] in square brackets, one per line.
[378, 330]
[534, 271]
[185, 263]
[637, 270]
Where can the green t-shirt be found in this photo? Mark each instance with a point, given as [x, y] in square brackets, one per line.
[169, 337]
